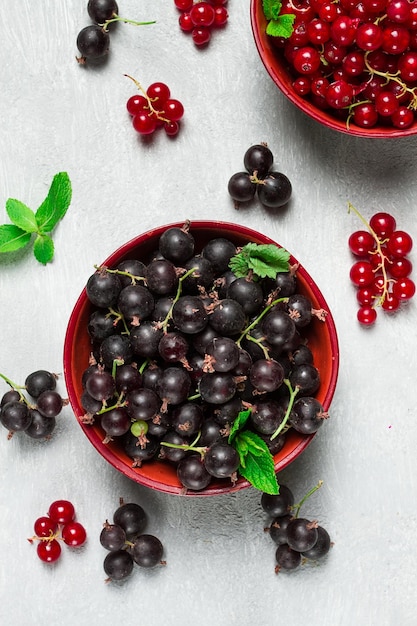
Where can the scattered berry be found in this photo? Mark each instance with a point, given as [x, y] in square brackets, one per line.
[297, 539]
[154, 108]
[200, 18]
[93, 41]
[34, 415]
[58, 525]
[382, 270]
[127, 544]
[272, 188]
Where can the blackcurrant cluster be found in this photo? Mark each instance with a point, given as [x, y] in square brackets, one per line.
[93, 41]
[58, 524]
[357, 61]
[297, 538]
[272, 188]
[200, 17]
[181, 345]
[36, 415]
[382, 270]
[154, 108]
[127, 544]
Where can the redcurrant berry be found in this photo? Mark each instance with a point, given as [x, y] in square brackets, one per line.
[361, 242]
[404, 289]
[74, 534]
[48, 551]
[44, 527]
[383, 224]
[399, 244]
[361, 273]
[366, 315]
[61, 511]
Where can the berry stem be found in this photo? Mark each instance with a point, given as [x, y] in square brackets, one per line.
[17, 388]
[132, 277]
[117, 18]
[165, 322]
[296, 507]
[393, 77]
[152, 109]
[293, 393]
[258, 319]
[384, 259]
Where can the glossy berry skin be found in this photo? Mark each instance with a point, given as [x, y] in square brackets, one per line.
[361, 242]
[383, 224]
[302, 534]
[202, 14]
[221, 460]
[118, 565]
[49, 551]
[321, 547]
[45, 527]
[258, 158]
[287, 558]
[74, 534]
[399, 244]
[361, 273]
[102, 10]
[61, 511]
[39, 381]
[404, 289]
[280, 504]
[275, 190]
[93, 42]
[147, 551]
[241, 188]
[366, 315]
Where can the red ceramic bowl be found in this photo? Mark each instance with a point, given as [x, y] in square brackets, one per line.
[278, 69]
[322, 340]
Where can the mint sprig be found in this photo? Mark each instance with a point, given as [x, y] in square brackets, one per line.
[278, 25]
[256, 461]
[261, 260]
[26, 223]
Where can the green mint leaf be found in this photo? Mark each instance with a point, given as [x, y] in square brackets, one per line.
[239, 266]
[281, 26]
[249, 440]
[12, 238]
[239, 423]
[56, 203]
[43, 249]
[259, 468]
[271, 8]
[21, 215]
[264, 260]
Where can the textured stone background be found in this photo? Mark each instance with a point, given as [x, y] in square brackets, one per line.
[58, 116]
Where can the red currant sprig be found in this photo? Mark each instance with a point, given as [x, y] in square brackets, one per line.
[59, 524]
[153, 108]
[382, 272]
[199, 18]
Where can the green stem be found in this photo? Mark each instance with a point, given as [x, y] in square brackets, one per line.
[132, 277]
[297, 507]
[16, 388]
[293, 393]
[258, 319]
[164, 324]
[117, 18]
[187, 447]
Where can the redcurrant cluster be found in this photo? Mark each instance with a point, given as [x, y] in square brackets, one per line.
[298, 539]
[36, 415]
[272, 188]
[382, 273]
[200, 17]
[358, 60]
[127, 544]
[93, 41]
[154, 108]
[58, 525]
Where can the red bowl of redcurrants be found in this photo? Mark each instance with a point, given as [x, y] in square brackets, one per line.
[167, 367]
[349, 65]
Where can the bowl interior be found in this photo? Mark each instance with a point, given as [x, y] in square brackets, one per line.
[322, 340]
[278, 70]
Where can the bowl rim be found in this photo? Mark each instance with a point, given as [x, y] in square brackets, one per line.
[265, 51]
[105, 450]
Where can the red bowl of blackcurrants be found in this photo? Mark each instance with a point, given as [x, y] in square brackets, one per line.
[162, 346]
[351, 66]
